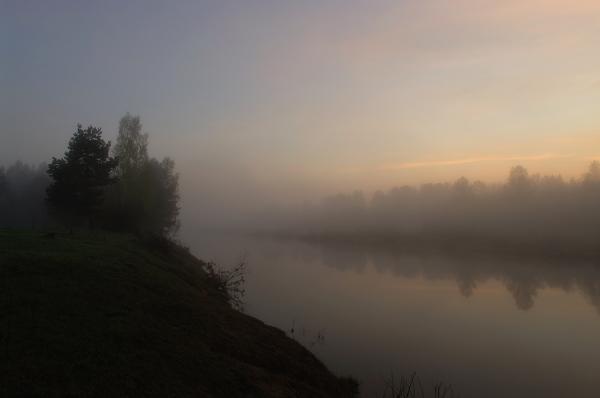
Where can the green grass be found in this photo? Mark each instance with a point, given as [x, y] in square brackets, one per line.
[108, 315]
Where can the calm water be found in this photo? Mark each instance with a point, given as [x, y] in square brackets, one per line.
[491, 327]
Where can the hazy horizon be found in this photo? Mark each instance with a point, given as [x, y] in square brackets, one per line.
[295, 101]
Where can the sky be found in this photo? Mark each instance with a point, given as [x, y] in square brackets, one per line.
[297, 99]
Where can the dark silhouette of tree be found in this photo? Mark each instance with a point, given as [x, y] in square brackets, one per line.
[146, 197]
[161, 196]
[125, 208]
[462, 186]
[524, 289]
[79, 178]
[518, 179]
[592, 176]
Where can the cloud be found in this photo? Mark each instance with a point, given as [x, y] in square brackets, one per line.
[453, 162]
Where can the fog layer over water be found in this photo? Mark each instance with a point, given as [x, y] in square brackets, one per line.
[492, 325]
[526, 209]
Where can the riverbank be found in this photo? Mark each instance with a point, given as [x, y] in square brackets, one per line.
[111, 315]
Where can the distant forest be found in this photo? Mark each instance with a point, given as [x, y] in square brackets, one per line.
[22, 193]
[94, 185]
[522, 209]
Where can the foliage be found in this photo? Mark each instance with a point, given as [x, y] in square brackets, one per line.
[131, 147]
[81, 175]
[526, 209]
[518, 180]
[230, 283]
[127, 192]
[160, 196]
[146, 197]
[592, 176]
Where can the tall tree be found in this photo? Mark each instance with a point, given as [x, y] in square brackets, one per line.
[518, 180]
[131, 147]
[80, 177]
[592, 176]
[145, 200]
[125, 210]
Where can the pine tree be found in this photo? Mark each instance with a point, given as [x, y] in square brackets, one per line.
[79, 178]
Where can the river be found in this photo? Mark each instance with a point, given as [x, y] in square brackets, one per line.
[491, 327]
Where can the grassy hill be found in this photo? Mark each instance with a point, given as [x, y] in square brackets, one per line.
[104, 315]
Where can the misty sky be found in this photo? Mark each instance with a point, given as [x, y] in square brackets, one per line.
[315, 96]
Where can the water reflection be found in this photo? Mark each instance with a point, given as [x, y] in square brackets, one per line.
[392, 308]
[523, 278]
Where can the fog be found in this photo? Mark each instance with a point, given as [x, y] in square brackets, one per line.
[526, 208]
[263, 104]
[22, 194]
[531, 210]
[434, 139]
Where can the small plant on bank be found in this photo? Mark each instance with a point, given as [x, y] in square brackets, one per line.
[411, 387]
[230, 282]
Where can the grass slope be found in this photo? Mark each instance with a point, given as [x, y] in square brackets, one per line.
[109, 316]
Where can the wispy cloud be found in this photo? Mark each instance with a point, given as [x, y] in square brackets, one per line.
[479, 159]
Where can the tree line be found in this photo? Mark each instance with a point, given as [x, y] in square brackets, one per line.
[95, 185]
[525, 207]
